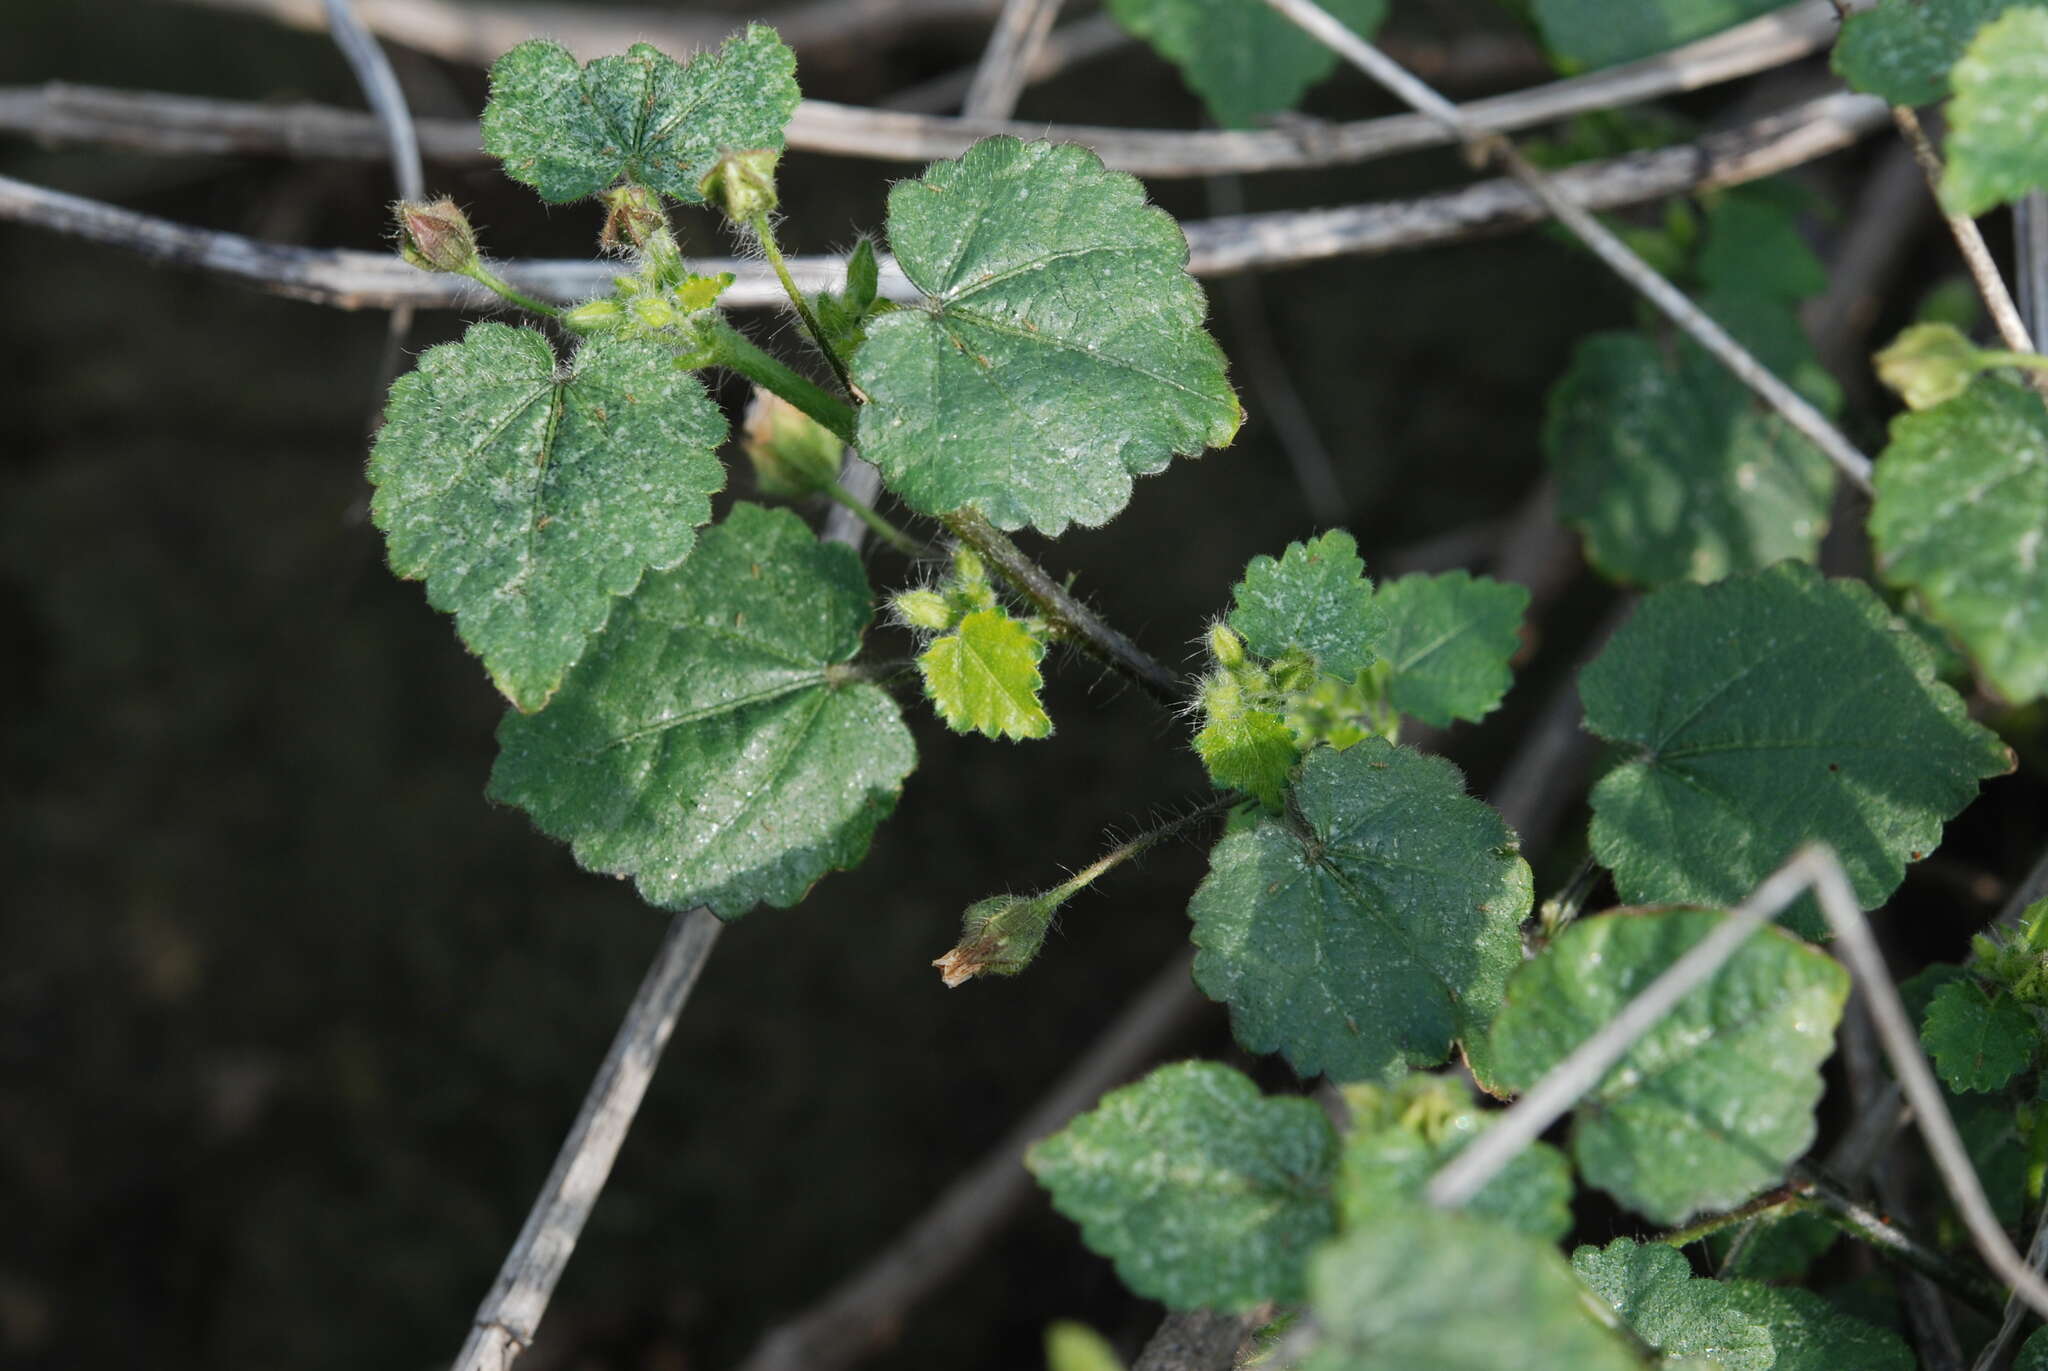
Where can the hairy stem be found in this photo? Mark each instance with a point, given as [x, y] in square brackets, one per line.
[1067, 615]
[504, 289]
[1125, 851]
[731, 348]
[764, 233]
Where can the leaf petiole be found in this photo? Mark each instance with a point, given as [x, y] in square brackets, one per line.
[726, 346]
[506, 291]
[764, 233]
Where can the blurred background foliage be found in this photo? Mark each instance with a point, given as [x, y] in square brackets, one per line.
[291, 1021]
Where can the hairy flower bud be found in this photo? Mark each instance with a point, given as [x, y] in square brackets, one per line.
[742, 183]
[436, 236]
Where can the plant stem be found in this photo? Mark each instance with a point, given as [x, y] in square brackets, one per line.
[1125, 851]
[1785, 1198]
[731, 348]
[499, 286]
[883, 529]
[764, 233]
[1897, 1244]
[1067, 615]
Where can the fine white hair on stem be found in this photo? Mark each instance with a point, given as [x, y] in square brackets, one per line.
[1814, 868]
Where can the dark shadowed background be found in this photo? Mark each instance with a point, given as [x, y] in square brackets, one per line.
[292, 1021]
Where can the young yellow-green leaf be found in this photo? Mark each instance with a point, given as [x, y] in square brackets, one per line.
[1254, 752]
[1379, 936]
[1653, 1289]
[1902, 50]
[529, 495]
[1735, 1324]
[1713, 1103]
[570, 131]
[711, 745]
[1979, 1038]
[983, 677]
[1997, 145]
[1242, 58]
[1059, 351]
[1961, 517]
[1071, 1346]
[1427, 1290]
[1448, 642]
[1599, 33]
[1384, 1171]
[1670, 472]
[1765, 711]
[1317, 598]
[1200, 1189]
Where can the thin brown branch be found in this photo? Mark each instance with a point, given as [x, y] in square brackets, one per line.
[864, 1313]
[364, 280]
[187, 124]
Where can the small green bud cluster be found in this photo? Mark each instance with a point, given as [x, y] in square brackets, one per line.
[940, 608]
[1258, 719]
[742, 184]
[641, 307]
[2018, 960]
[999, 936]
[1436, 1109]
[793, 455]
[843, 314]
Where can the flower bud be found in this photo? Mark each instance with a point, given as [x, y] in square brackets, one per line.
[998, 937]
[436, 236]
[742, 183]
[632, 214]
[925, 609]
[1226, 646]
[1929, 363]
[593, 316]
[793, 454]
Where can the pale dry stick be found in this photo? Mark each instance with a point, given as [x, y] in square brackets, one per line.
[350, 279]
[1793, 407]
[509, 1317]
[890, 135]
[1814, 868]
[864, 1312]
[1007, 61]
[2030, 251]
[1065, 46]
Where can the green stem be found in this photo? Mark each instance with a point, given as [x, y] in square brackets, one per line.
[883, 529]
[1068, 616]
[1785, 1198]
[731, 348]
[1996, 357]
[484, 276]
[1897, 1244]
[1123, 852]
[764, 232]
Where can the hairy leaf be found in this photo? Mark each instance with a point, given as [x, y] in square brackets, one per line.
[570, 131]
[1961, 517]
[710, 745]
[1653, 1289]
[1670, 472]
[1979, 1038]
[1385, 1170]
[1765, 711]
[983, 677]
[1711, 1104]
[528, 495]
[1902, 49]
[1377, 937]
[1242, 58]
[1997, 145]
[1448, 642]
[1812, 1335]
[1200, 1189]
[1599, 33]
[1316, 598]
[1451, 1292]
[1059, 350]
[1253, 751]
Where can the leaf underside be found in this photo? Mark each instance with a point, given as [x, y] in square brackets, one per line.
[705, 746]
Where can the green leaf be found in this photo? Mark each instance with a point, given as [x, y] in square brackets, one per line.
[571, 131]
[1201, 1190]
[1385, 1169]
[1670, 472]
[1709, 1106]
[1242, 58]
[1766, 711]
[1754, 247]
[1448, 642]
[1599, 33]
[1997, 145]
[1780, 1248]
[528, 496]
[1432, 1291]
[1962, 500]
[1653, 1289]
[1316, 598]
[983, 677]
[1812, 1335]
[711, 745]
[1376, 937]
[1058, 353]
[2033, 1352]
[1979, 1039]
[1254, 752]
[1902, 50]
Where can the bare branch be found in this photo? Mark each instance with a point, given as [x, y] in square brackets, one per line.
[509, 1317]
[1793, 407]
[365, 280]
[1006, 63]
[1197, 1340]
[187, 124]
[863, 1313]
[1066, 46]
[387, 99]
